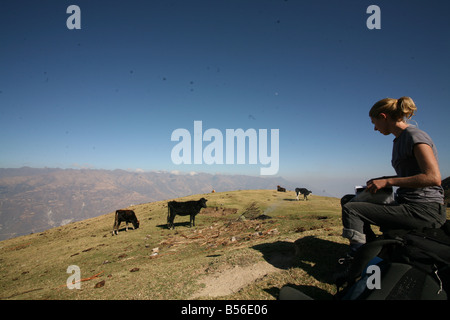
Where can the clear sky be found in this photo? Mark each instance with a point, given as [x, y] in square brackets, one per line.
[109, 95]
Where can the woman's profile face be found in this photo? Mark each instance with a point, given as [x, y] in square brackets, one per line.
[380, 124]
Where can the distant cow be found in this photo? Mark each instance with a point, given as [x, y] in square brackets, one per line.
[281, 189]
[127, 216]
[304, 192]
[191, 208]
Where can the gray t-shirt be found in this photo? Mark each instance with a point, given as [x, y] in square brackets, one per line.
[405, 165]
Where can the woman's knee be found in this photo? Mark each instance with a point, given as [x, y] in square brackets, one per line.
[347, 198]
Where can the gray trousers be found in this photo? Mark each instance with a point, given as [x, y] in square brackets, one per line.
[357, 215]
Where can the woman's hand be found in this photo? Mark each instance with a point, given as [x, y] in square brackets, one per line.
[374, 185]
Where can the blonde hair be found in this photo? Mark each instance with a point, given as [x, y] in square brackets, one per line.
[398, 109]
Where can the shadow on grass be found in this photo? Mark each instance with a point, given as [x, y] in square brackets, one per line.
[318, 257]
[124, 229]
[175, 224]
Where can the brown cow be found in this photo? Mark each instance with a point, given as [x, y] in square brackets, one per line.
[127, 216]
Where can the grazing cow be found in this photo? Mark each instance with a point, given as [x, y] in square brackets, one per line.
[127, 216]
[281, 189]
[191, 208]
[304, 192]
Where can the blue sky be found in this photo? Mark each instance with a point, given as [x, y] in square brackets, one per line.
[110, 95]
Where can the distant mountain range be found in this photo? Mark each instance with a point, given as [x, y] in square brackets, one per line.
[33, 200]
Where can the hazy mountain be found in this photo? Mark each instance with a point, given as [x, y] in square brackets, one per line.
[33, 200]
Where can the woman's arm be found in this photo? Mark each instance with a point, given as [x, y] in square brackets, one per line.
[429, 176]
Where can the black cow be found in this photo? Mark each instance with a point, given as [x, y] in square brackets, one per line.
[304, 192]
[281, 189]
[127, 216]
[191, 208]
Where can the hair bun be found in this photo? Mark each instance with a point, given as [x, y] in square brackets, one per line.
[398, 109]
[406, 106]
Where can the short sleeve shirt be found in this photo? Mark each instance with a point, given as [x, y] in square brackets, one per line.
[405, 165]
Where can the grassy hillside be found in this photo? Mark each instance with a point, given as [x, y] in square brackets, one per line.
[227, 255]
[33, 200]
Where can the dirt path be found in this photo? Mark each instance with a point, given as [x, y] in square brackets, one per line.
[232, 280]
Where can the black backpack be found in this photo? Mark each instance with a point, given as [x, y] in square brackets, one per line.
[411, 265]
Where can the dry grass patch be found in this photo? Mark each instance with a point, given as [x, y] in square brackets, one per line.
[296, 243]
